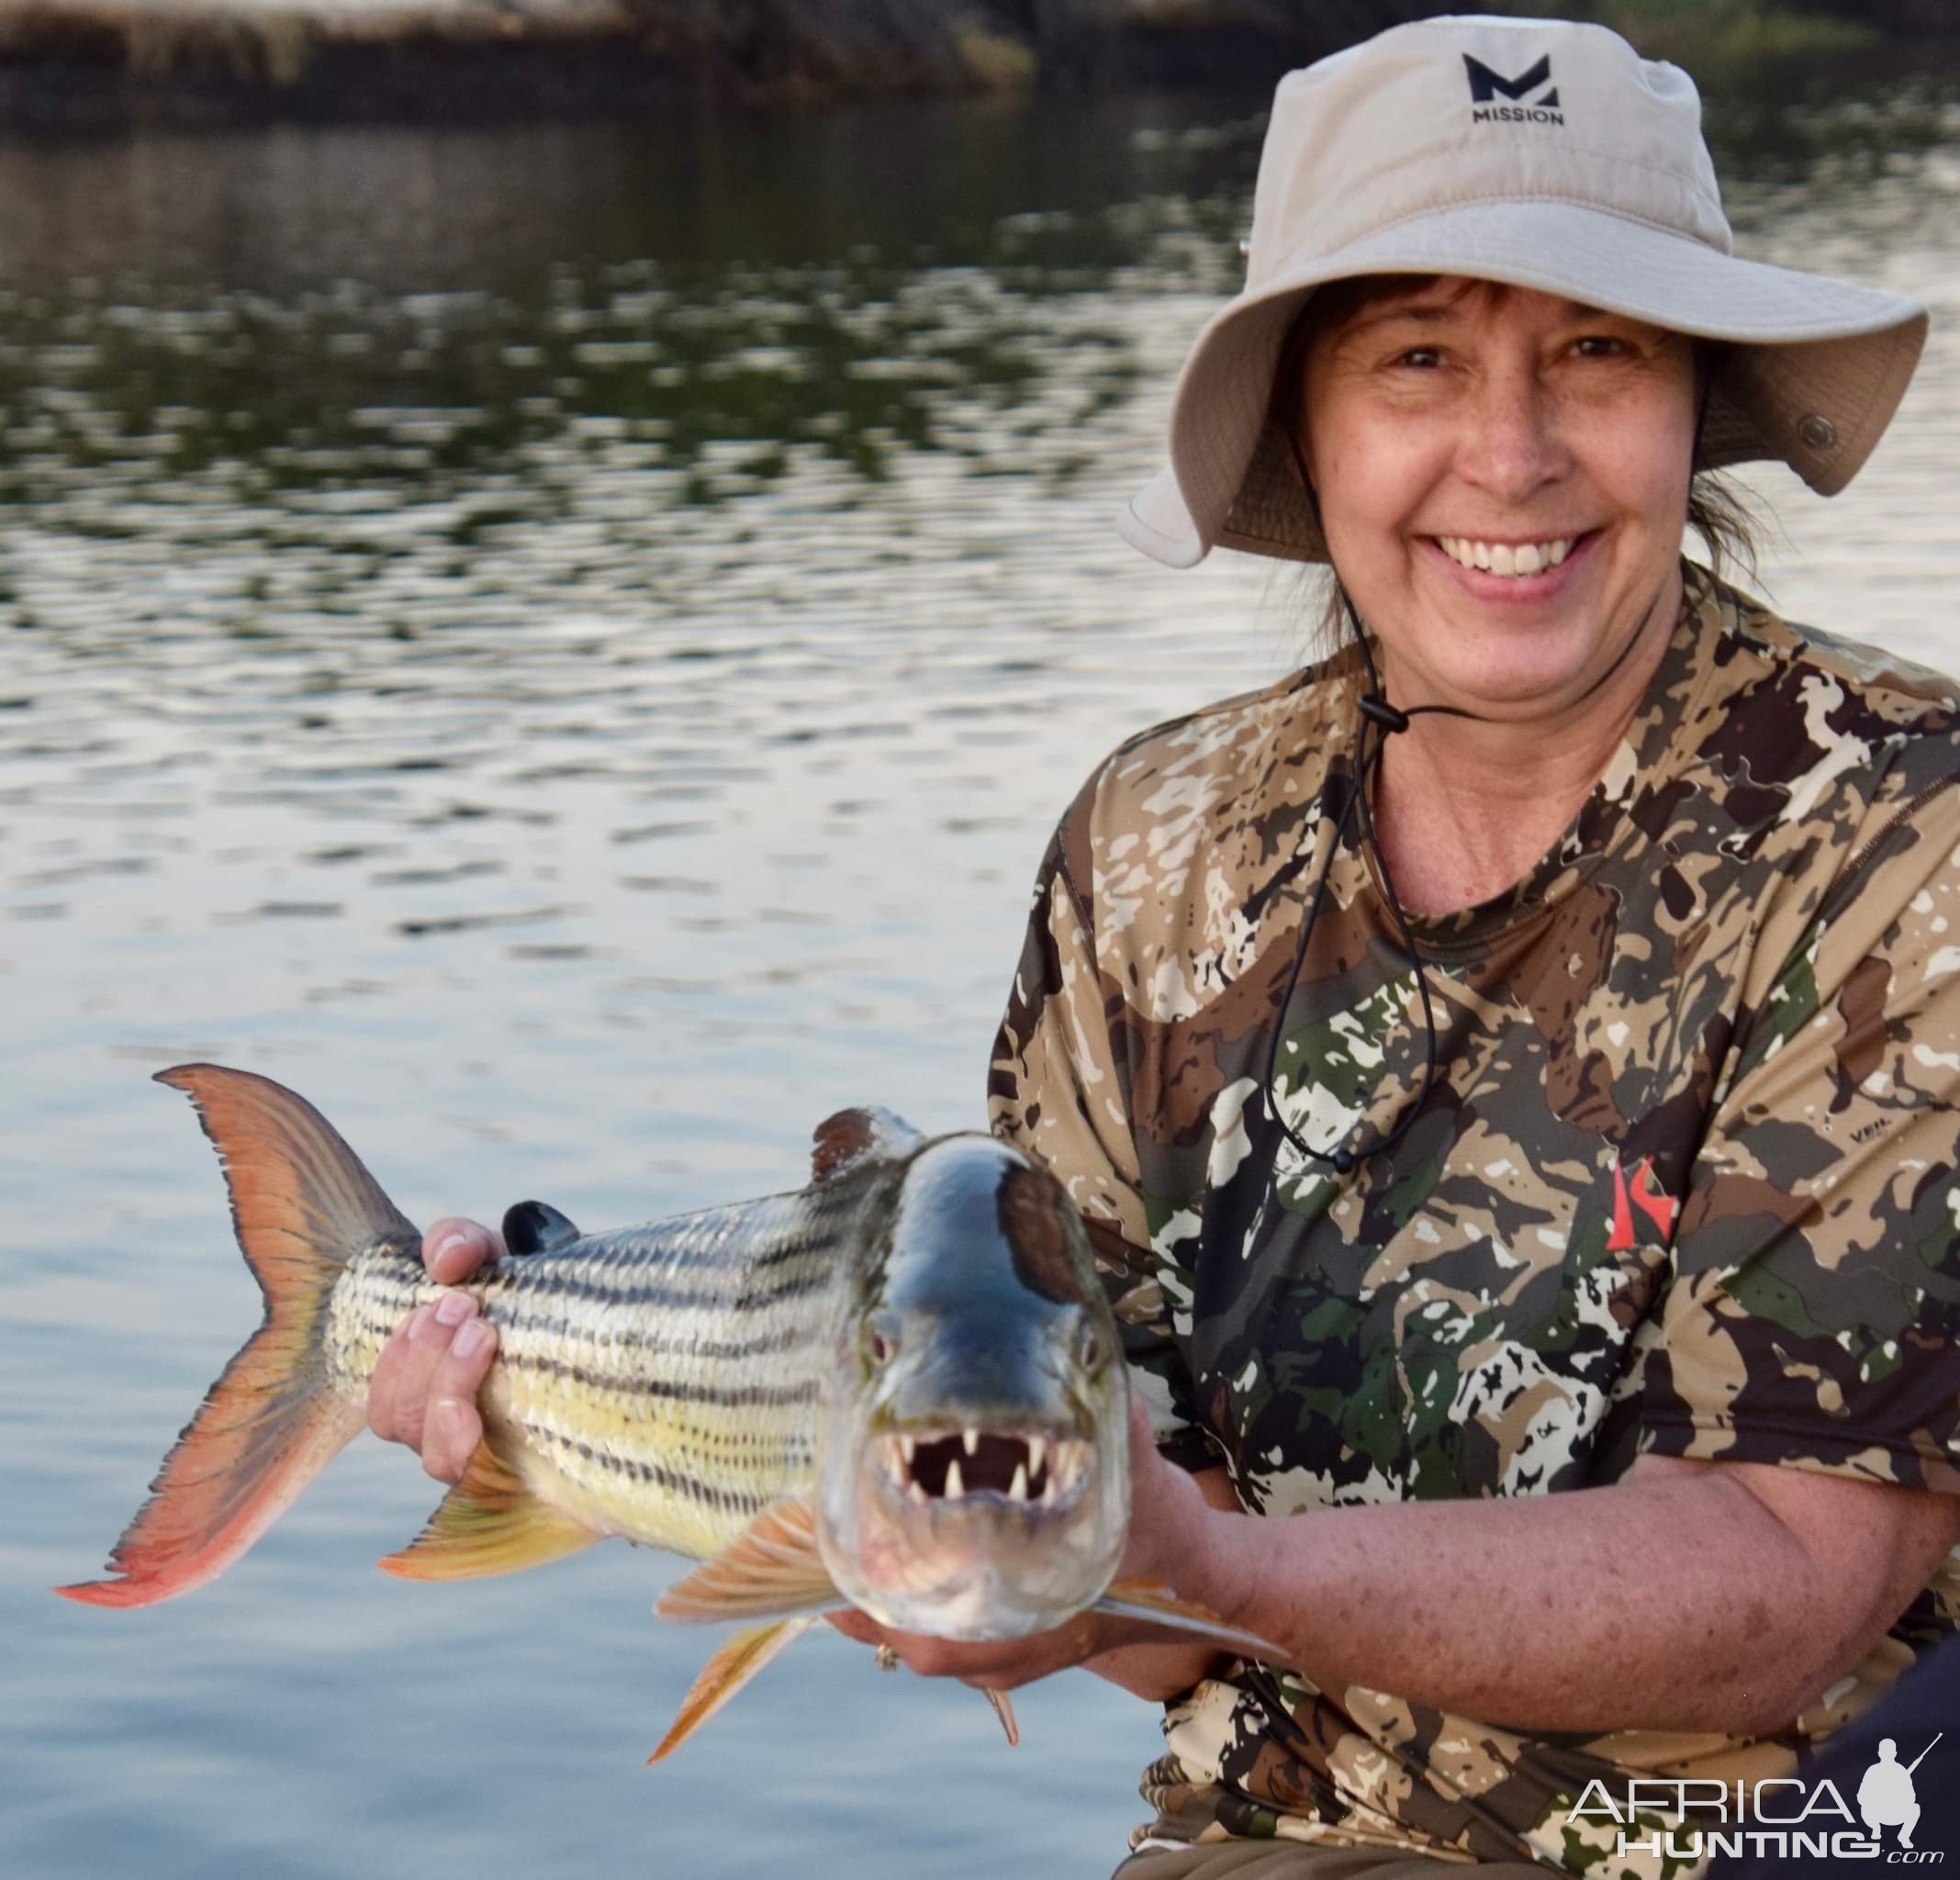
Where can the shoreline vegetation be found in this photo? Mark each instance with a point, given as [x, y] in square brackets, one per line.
[103, 64]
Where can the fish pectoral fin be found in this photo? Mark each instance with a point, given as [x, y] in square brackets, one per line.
[1132, 1599]
[770, 1570]
[1003, 1707]
[489, 1523]
[732, 1667]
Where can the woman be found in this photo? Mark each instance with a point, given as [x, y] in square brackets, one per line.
[1509, 1069]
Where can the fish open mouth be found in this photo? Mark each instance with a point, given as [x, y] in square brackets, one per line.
[1037, 1470]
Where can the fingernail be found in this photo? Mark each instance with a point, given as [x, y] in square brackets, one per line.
[458, 1239]
[453, 1308]
[422, 1325]
[472, 1338]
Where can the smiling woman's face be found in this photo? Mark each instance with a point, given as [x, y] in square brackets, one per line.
[1503, 477]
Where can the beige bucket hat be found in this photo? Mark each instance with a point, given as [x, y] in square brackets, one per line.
[1544, 153]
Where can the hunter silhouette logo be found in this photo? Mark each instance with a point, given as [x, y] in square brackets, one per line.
[1886, 1797]
[1485, 85]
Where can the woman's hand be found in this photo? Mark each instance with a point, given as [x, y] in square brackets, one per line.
[424, 1388]
[1169, 1514]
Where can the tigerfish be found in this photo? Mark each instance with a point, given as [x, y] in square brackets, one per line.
[900, 1388]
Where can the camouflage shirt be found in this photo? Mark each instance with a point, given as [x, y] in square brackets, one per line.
[1685, 1181]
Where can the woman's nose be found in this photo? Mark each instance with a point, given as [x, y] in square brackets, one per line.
[1514, 440]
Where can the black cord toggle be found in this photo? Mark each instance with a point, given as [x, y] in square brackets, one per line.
[1377, 709]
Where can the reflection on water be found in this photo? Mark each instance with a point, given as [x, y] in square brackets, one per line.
[564, 646]
[723, 377]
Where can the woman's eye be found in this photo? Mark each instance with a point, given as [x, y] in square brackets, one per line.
[1600, 346]
[1420, 355]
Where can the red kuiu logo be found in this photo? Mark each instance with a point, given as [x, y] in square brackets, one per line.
[1640, 1192]
[1485, 85]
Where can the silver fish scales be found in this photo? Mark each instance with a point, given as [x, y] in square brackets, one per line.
[662, 1380]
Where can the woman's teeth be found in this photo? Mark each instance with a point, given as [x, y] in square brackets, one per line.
[1502, 558]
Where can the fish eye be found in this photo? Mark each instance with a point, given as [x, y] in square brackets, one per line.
[880, 1342]
[1089, 1348]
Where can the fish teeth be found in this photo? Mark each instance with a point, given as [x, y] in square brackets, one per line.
[917, 1493]
[969, 1437]
[955, 1486]
[907, 1446]
[1017, 1488]
[1037, 1449]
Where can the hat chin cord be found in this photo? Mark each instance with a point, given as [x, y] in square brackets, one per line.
[1377, 722]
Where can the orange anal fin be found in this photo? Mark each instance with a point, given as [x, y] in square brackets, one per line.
[772, 1570]
[489, 1523]
[1159, 1606]
[732, 1667]
[1003, 1707]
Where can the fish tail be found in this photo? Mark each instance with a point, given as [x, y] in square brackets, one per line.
[303, 1207]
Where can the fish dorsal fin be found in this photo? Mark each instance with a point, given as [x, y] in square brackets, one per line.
[852, 1136]
[772, 1570]
[535, 1227]
[1159, 1606]
[489, 1523]
[732, 1667]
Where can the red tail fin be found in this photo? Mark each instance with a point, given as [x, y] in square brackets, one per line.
[303, 1207]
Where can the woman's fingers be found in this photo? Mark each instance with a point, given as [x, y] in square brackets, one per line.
[454, 1248]
[425, 1383]
[453, 1429]
[1001, 1664]
[996, 1665]
[422, 1365]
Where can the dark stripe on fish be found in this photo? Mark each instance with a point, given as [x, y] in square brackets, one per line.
[722, 1398]
[689, 1487]
[507, 1314]
[681, 1256]
[535, 1293]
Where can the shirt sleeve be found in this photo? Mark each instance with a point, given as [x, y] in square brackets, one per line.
[1813, 1316]
[1057, 1091]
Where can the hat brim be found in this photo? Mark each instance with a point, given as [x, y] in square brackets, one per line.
[1818, 365]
